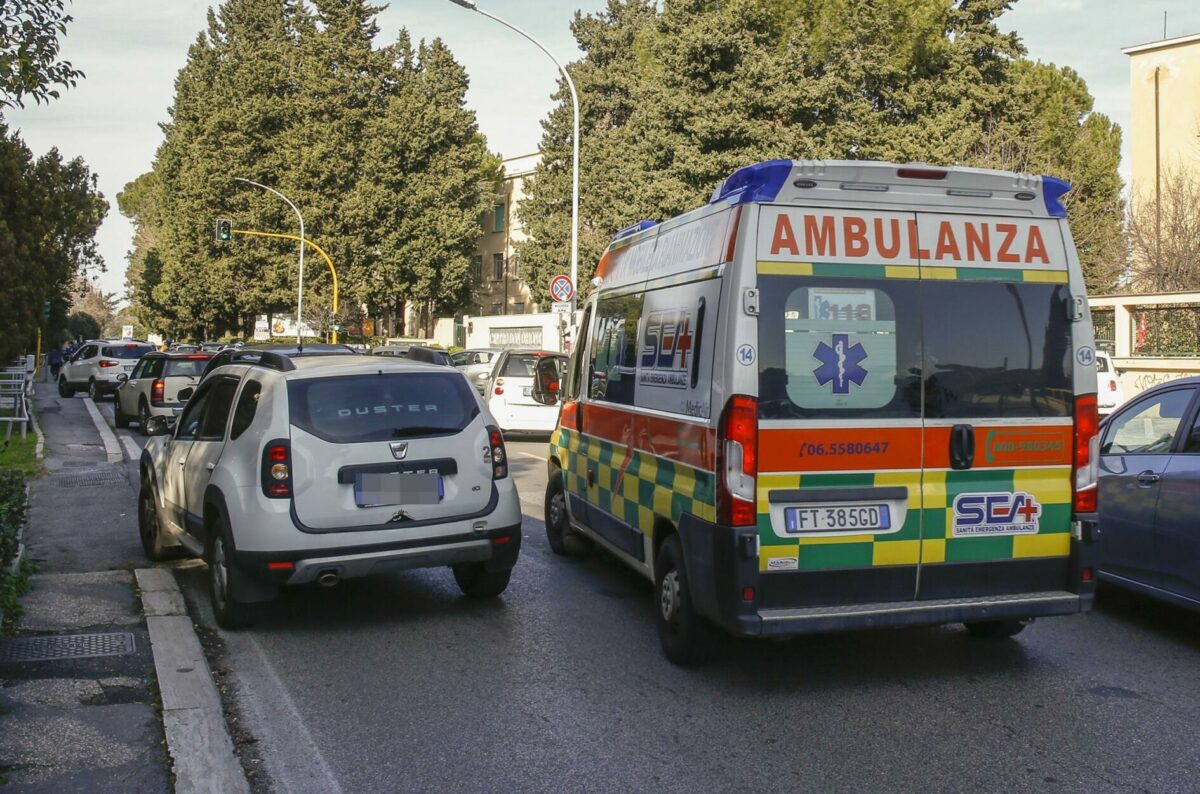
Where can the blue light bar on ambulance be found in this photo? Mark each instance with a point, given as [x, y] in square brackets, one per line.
[758, 182]
[640, 226]
[1052, 192]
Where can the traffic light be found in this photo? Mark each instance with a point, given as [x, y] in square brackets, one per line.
[224, 230]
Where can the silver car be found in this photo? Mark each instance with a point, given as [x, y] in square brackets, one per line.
[97, 366]
[475, 365]
[159, 385]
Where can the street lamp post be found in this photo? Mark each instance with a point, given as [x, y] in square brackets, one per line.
[300, 289]
[471, 6]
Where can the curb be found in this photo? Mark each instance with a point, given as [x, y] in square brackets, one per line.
[111, 448]
[202, 757]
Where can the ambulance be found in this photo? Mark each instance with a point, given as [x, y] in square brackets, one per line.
[841, 395]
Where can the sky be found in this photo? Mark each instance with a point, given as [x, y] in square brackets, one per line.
[131, 51]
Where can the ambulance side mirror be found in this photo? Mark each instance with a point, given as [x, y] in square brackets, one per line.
[546, 383]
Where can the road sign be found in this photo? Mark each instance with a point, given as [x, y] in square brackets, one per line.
[561, 307]
[561, 288]
[127, 332]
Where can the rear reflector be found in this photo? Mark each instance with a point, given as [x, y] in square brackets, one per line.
[281, 566]
[1088, 575]
[747, 593]
[500, 541]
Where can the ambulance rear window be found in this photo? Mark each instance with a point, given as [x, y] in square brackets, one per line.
[905, 348]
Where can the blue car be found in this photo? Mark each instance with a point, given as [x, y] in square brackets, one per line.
[1149, 495]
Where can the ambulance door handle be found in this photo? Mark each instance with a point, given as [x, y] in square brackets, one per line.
[579, 416]
[962, 447]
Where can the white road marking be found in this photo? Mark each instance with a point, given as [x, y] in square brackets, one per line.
[131, 447]
[111, 448]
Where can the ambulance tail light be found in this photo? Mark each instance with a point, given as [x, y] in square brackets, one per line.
[737, 462]
[1086, 453]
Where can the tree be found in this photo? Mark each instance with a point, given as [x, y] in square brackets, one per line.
[674, 100]
[50, 210]
[81, 325]
[29, 63]
[1164, 234]
[89, 299]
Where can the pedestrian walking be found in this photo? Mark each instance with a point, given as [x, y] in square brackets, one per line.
[56, 359]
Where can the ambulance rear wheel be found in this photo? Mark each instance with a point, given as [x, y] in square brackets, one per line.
[556, 514]
[996, 629]
[687, 638]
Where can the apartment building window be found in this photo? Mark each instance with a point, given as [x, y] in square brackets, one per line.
[498, 218]
[497, 267]
[477, 266]
[496, 307]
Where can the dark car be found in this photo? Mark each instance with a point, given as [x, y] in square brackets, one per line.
[254, 353]
[1149, 495]
[429, 355]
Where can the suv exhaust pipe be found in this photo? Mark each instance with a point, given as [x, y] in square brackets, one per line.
[327, 578]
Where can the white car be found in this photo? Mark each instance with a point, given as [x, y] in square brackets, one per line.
[475, 365]
[159, 385]
[97, 366]
[510, 397]
[288, 471]
[1108, 384]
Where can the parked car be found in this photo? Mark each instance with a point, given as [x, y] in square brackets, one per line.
[1150, 492]
[1108, 386]
[254, 353]
[476, 365]
[96, 365]
[398, 351]
[509, 392]
[429, 355]
[354, 465]
[159, 385]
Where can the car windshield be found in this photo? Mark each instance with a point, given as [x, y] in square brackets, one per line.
[377, 407]
[185, 366]
[126, 351]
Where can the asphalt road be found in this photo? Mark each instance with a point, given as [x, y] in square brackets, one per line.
[397, 683]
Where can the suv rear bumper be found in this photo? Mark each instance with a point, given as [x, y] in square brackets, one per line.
[498, 549]
[722, 564]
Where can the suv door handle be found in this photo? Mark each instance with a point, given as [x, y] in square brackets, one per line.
[1147, 478]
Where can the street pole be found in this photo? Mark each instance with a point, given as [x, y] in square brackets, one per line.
[471, 6]
[300, 289]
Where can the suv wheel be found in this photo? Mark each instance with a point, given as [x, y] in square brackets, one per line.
[64, 388]
[229, 612]
[143, 418]
[686, 637]
[996, 629]
[148, 526]
[477, 582]
[94, 391]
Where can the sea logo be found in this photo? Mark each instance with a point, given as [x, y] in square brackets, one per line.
[982, 514]
[666, 355]
[841, 363]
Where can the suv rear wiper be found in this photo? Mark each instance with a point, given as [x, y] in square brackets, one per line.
[419, 430]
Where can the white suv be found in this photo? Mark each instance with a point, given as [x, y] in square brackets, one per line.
[97, 365]
[283, 471]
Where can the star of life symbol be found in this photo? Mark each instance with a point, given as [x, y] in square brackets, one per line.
[840, 364]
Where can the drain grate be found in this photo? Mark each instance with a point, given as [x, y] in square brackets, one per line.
[67, 646]
[83, 479]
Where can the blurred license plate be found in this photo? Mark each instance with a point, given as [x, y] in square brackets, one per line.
[391, 488]
[526, 391]
[837, 518]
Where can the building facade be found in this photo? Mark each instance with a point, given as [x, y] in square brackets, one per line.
[499, 286]
[1164, 93]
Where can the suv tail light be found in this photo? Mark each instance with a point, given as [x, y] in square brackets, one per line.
[494, 453]
[737, 463]
[156, 392]
[105, 363]
[1086, 453]
[277, 470]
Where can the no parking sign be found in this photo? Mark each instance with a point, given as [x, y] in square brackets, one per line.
[561, 288]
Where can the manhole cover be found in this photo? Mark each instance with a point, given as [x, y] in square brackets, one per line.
[68, 646]
[83, 479]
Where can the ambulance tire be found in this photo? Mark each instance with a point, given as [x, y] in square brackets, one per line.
[687, 638]
[556, 515]
[996, 629]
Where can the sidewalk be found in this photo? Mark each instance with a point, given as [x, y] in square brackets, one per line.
[86, 719]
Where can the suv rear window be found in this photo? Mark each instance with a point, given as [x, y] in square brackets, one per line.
[520, 366]
[186, 366]
[351, 409]
[126, 351]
